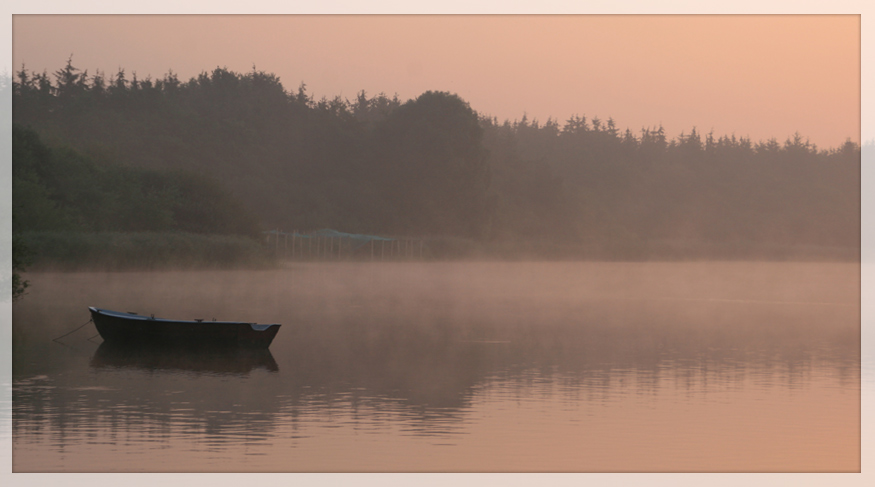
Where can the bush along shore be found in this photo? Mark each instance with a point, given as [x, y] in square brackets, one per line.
[71, 211]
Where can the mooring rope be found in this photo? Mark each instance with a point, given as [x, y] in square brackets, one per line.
[71, 332]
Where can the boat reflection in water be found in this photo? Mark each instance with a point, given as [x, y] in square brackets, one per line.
[215, 360]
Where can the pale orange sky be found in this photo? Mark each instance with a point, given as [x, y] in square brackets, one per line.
[756, 76]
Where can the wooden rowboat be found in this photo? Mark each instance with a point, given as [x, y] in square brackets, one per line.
[131, 328]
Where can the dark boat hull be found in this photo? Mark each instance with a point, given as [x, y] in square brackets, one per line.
[131, 329]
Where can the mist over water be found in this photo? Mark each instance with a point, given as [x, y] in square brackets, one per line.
[532, 366]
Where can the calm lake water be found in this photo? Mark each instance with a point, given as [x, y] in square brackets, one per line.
[462, 367]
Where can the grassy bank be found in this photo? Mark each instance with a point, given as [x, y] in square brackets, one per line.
[630, 250]
[142, 250]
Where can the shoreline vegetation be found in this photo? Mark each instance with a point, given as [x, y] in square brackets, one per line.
[120, 172]
[120, 251]
[150, 251]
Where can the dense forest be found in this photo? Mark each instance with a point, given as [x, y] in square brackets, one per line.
[426, 167]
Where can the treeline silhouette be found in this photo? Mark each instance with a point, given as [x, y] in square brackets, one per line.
[433, 166]
[613, 186]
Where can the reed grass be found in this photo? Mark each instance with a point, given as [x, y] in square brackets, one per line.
[444, 248]
[142, 251]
